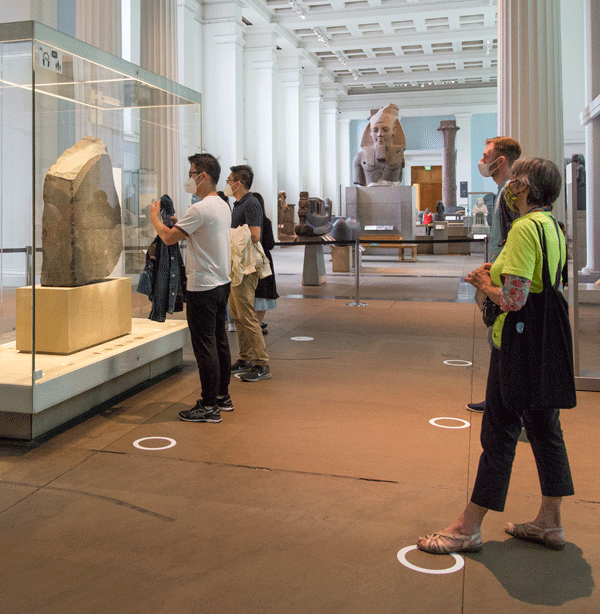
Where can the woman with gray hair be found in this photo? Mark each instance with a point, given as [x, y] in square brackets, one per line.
[531, 367]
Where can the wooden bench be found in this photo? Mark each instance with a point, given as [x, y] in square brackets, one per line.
[373, 240]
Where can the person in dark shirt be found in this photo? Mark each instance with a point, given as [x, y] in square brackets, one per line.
[253, 364]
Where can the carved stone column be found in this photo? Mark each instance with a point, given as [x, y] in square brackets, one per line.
[448, 128]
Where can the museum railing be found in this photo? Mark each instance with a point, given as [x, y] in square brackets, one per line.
[359, 246]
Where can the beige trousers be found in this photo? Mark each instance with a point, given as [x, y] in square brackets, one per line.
[249, 332]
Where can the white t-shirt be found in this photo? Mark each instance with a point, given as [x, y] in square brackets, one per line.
[208, 260]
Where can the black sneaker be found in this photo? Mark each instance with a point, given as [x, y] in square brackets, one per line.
[256, 374]
[225, 403]
[201, 414]
[241, 366]
[476, 408]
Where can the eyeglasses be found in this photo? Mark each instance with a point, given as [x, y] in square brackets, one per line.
[193, 173]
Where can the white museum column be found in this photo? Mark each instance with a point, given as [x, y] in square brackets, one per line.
[44, 11]
[160, 149]
[260, 110]
[330, 165]
[463, 153]
[313, 98]
[223, 82]
[529, 78]
[345, 165]
[290, 129]
[591, 120]
[99, 24]
[189, 50]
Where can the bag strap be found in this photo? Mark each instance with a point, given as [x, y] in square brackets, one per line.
[560, 264]
[547, 282]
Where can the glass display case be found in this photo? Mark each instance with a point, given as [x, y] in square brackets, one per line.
[583, 293]
[61, 99]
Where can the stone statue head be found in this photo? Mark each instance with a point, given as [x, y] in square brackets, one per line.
[384, 132]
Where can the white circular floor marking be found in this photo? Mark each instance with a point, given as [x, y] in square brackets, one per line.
[458, 363]
[459, 563]
[302, 338]
[464, 423]
[138, 443]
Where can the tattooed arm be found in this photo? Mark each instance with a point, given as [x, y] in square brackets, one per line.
[514, 292]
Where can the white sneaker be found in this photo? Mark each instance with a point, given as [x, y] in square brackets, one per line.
[231, 328]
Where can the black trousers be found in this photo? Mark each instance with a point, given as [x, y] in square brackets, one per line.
[500, 430]
[207, 318]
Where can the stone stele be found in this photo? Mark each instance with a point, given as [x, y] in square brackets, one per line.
[81, 223]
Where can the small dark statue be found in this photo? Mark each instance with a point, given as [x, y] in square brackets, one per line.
[314, 215]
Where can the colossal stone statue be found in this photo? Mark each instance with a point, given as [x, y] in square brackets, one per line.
[81, 223]
[381, 159]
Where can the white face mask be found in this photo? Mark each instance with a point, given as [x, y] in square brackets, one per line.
[190, 185]
[227, 190]
[486, 169]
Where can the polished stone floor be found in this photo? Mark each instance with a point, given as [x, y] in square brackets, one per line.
[301, 499]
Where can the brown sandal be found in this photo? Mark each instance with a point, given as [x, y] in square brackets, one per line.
[533, 533]
[440, 543]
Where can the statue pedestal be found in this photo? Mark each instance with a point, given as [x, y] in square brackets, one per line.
[341, 258]
[68, 320]
[389, 205]
[313, 272]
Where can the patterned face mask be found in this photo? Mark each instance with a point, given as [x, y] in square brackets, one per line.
[510, 199]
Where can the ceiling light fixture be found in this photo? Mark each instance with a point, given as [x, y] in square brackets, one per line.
[295, 6]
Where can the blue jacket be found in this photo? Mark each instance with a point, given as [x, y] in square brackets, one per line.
[163, 279]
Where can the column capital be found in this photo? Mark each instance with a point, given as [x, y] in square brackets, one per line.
[192, 6]
[260, 37]
[448, 126]
[222, 12]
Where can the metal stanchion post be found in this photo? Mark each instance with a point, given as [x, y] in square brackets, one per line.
[486, 248]
[356, 302]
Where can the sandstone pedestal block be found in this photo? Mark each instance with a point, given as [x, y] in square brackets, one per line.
[71, 319]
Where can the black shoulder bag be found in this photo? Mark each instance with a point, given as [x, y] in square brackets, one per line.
[536, 369]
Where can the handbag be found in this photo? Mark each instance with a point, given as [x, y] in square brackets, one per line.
[490, 311]
[536, 367]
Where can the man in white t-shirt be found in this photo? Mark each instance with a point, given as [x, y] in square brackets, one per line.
[206, 226]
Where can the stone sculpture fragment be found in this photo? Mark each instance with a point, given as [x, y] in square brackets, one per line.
[81, 222]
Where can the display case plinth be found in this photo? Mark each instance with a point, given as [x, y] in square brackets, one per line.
[68, 320]
[70, 386]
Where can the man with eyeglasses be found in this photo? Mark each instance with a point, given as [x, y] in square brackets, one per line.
[253, 364]
[500, 153]
[206, 226]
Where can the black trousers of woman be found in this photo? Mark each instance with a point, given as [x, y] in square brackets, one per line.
[500, 430]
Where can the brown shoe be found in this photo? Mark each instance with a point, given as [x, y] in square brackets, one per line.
[533, 533]
[447, 543]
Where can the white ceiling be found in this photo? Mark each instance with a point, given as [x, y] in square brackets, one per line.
[386, 46]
